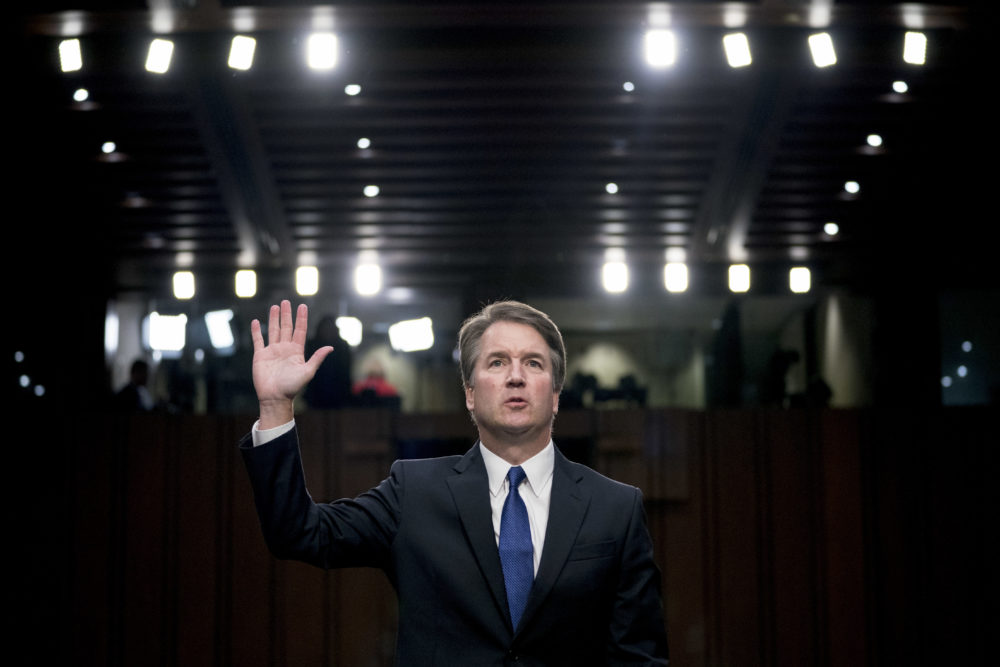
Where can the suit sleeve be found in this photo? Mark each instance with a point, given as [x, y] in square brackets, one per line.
[637, 635]
[344, 533]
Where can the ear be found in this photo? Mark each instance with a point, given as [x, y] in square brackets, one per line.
[470, 399]
[555, 403]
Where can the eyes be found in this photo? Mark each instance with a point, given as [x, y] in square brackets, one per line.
[530, 363]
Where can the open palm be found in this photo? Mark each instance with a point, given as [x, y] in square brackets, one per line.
[280, 369]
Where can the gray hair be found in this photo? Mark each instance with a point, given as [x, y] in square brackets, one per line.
[471, 334]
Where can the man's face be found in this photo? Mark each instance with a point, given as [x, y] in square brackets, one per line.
[511, 396]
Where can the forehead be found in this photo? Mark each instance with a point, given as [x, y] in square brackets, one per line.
[512, 337]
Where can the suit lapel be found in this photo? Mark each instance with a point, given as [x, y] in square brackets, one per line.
[567, 507]
[470, 489]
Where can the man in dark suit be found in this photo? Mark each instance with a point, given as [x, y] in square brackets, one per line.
[508, 554]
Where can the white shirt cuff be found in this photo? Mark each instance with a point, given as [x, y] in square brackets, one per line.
[262, 437]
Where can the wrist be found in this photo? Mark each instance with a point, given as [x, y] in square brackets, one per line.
[275, 413]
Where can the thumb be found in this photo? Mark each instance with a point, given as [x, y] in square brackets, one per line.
[317, 358]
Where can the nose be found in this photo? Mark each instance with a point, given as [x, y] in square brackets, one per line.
[515, 377]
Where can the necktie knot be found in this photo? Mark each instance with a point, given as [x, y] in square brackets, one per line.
[515, 476]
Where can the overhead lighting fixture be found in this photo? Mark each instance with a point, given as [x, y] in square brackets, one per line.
[321, 51]
[183, 285]
[628, 86]
[166, 332]
[108, 147]
[241, 52]
[675, 277]
[352, 89]
[371, 190]
[614, 274]
[611, 188]
[412, 335]
[307, 280]
[874, 140]
[739, 278]
[364, 142]
[821, 47]
[831, 228]
[70, 58]
[220, 332]
[368, 279]
[81, 95]
[246, 283]
[159, 55]
[914, 48]
[660, 48]
[852, 187]
[737, 48]
[900, 87]
[350, 330]
[799, 279]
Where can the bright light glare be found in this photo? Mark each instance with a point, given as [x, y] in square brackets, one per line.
[675, 277]
[852, 187]
[241, 52]
[108, 147]
[111, 333]
[364, 142]
[183, 285]
[246, 283]
[611, 188]
[371, 190]
[900, 87]
[946, 381]
[962, 371]
[219, 330]
[874, 140]
[352, 89]
[614, 276]
[24, 381]
[350, 330]
[966, 346]
[39, 390]
[368, 279]
[412, 335]
[799, 279]
[321, 50]
[739, 278]
[737, 48]
[158, 58]
[628, 86]
[307, 280]
[661, 48]
[81, 95]
[821, 47]
[166, 332]
[831, 228]
[70, 59]
[915, 48]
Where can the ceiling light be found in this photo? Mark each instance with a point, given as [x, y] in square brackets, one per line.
[874, 140]
[352, 89]
[307, 280]
[241, 52]
[831, 228]
[371, 191]
[900, 87]
[220, 332]
[737, 48]
[183, 285]
[962, 371]
[166, 332]
[799, 279]
[246, 283]
[628, 86]
[821, 47]
[350, 330]
[852, 187]
[614, 274]
[661, 48]
[321, 51]
[966, 346]
[364, 142]
[675, 277]
[81, 95]
[368, 279]
[739, 278]
[412, 335]
[70, 58]
[159, 55]
[108, 147]
[611, 188]
[914, 48]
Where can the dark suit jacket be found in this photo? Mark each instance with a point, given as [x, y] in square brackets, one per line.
[595, 599]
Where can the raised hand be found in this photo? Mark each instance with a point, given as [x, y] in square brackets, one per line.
[280, 369]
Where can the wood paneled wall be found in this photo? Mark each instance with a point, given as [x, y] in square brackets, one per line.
[785, 538]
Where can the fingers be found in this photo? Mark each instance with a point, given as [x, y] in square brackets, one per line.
[273, 330]
[281, 328]
[301, 325]
[286, 321]
[255, 335]
[317, 358]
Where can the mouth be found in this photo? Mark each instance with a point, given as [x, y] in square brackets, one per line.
[515, 402]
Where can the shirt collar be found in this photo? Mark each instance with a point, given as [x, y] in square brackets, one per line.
[538, 469]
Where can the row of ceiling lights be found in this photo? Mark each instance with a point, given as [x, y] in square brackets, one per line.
[660, 50]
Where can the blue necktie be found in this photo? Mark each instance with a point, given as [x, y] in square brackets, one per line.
[515, 547]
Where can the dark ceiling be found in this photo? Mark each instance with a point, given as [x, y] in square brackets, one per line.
[494, 129]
